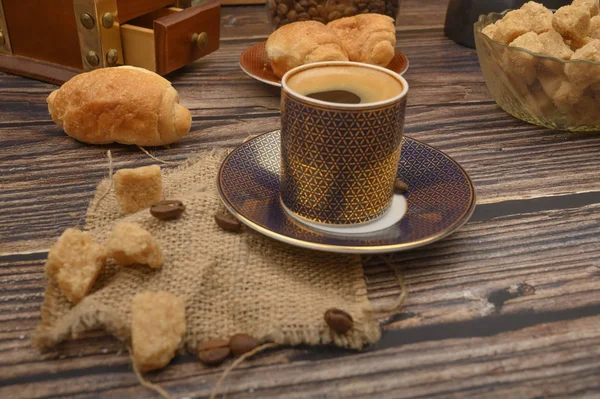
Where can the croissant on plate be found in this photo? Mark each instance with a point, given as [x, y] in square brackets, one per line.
[302, 43]
[127, 105]
[368, 38]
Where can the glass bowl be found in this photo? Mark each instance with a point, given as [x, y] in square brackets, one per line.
[537, 88]
[282, 12]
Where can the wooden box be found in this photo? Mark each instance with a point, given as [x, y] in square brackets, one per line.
[53, 40]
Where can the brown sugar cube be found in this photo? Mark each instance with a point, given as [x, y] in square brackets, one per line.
[538, 102]
[576, 44]
[584, 73]
[591, 6]
[554, 45]
[74, 262]
[571, 22]
[138, 188]
[520, 63]
[514, 24]
[567, 95]
[586, 111]
[491, 31]
[594, 31]
[540, 16]
[157, 328]
[550, 82]
[130, 244]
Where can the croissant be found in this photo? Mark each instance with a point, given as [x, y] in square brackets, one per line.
[126, 105]
[368, 38]
[301, 43]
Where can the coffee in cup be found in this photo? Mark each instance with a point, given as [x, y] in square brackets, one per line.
[345, 84]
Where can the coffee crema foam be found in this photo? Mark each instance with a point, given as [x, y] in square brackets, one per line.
[370, 85]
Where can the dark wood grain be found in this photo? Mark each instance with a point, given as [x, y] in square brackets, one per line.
[507, 307]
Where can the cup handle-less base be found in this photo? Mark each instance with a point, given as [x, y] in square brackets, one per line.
[395, 212]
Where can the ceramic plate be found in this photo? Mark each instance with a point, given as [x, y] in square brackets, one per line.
[254, 62]
[440, 199]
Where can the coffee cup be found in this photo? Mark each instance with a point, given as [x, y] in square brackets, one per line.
[341, 133]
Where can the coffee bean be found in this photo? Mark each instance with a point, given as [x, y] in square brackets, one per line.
[322, 11]
[400, 187]
[242, 343]
[338, 320]
[282, 9]
[326, 10]
[334, 15]
[292, 15]
[228, 223]
[213, 352]
[349, 11]
[167, 210]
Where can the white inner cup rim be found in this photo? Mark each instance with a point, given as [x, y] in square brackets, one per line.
[313, 65]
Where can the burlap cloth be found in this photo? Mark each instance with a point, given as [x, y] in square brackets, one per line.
[231, 282]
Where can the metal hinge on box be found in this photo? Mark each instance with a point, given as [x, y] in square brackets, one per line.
[53, 41]
[99, 33]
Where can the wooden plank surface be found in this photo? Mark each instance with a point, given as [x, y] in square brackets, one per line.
[509, 306]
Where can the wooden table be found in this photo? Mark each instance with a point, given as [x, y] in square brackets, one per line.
[508, 307]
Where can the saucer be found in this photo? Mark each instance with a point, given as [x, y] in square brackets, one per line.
[439, 200]
[254, 62]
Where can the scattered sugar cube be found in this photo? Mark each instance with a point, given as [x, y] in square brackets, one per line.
[571, 22]
[130, 244]
[74, 263]
[539, 16]
[138, 188]
[157, 328]
[591, 6]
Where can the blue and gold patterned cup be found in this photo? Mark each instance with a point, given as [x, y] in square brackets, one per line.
[341, 132]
